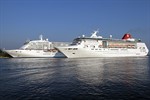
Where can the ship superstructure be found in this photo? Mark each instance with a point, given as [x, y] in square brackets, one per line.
[97, 46]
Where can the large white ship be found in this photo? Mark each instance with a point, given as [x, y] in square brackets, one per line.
[97, 46]
[38, 48]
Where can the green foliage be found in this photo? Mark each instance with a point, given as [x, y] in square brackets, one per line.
[4, 54]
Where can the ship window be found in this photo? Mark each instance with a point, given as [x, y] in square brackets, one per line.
[75, 48]
[105, 44]
[69, 48]
[100, 46]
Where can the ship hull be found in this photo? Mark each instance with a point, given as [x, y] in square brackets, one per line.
[34, 54]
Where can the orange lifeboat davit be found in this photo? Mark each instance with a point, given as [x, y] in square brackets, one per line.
[127, 36]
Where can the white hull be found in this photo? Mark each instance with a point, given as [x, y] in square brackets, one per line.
[34, 53]
[102, 52]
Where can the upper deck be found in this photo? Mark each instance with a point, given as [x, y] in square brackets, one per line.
[99, 41]
[94, 37]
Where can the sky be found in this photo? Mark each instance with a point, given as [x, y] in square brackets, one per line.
[64, 20]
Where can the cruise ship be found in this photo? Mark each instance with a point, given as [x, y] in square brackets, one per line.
[97, 46]
[38, 48]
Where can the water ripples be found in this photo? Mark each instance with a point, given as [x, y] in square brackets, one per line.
[84, 78]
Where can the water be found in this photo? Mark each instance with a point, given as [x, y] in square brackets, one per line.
[75, 79]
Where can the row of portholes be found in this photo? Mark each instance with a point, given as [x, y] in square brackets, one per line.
[72, 48]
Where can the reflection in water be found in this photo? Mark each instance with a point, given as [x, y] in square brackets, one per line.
[84, 78]
[102, 70]
[89, 71]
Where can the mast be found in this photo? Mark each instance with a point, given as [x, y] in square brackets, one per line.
[41, 37]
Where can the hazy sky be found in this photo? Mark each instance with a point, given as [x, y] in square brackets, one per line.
[63, 20]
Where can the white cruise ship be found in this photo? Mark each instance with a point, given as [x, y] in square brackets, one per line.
[97, 46]
[38, 48]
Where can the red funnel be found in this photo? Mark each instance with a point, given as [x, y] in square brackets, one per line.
[126, 36]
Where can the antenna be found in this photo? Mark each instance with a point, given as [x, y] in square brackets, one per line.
[94, 34]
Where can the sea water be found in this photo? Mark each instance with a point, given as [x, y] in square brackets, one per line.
[75, 79]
